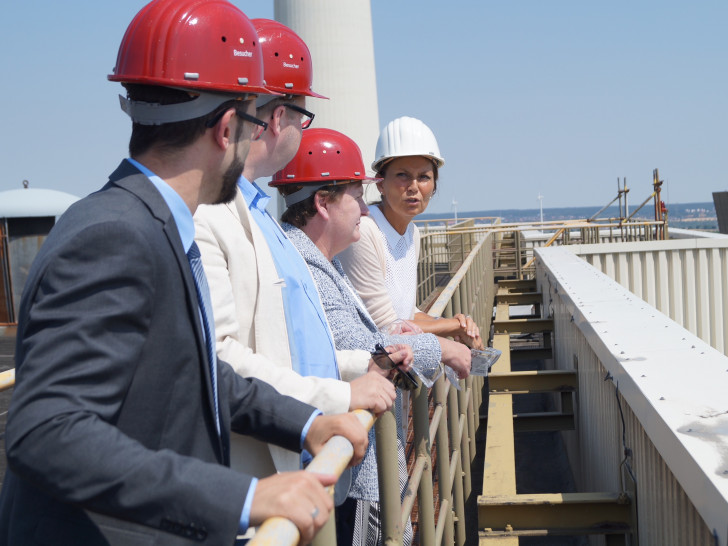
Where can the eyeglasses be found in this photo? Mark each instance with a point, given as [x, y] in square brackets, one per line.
[241, 115]
[305, 123]
[402, 380]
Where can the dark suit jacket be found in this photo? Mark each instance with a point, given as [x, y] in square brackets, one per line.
[112, 411]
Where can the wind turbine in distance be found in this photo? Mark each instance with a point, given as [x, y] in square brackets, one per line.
[540, 206]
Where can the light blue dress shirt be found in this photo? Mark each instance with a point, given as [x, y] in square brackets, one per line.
[312, 348]
[186, 228]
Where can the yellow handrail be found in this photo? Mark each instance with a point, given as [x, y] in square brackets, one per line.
[7, 380]
[332, 459]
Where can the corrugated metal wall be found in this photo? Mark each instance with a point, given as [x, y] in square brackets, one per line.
[596, 449]
[665, 514]
[685, 279]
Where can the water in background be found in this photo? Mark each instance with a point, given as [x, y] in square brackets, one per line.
[683, 215]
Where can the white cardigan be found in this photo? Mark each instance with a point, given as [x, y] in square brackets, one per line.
[365, 264]
[250, 326]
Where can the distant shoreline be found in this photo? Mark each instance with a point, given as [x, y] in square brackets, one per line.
[699, 215]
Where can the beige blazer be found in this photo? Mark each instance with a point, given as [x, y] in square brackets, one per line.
[250, 326]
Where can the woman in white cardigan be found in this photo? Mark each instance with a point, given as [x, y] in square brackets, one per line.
[382, 265]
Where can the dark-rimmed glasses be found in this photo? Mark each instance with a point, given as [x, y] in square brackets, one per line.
[402, 380]
[242, 115]
[305, 123]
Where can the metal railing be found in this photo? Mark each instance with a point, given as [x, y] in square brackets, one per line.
[332, 459]
[442, 252]
[444, 421]
[450, 430]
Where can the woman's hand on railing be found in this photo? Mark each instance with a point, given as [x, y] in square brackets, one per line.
[400, 354]
[372, 391]
[300, 497]
[461, 327]
[455, 355]
[466, 331]
[347, 425]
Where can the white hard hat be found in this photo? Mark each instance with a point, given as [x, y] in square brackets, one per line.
[406, 136]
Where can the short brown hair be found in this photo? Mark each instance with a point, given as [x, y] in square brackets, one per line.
[299, 213]
[168, 135]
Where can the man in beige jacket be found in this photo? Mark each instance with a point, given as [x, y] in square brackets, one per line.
[265, 303]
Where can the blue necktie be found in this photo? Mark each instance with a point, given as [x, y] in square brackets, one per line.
[203, 298]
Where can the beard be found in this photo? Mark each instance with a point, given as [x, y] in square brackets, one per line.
[230, 182]
[234, 171]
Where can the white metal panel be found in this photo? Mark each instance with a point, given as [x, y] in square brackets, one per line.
[684, 279]
[671, 386]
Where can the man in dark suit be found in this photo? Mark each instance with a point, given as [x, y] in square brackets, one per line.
[118, 431]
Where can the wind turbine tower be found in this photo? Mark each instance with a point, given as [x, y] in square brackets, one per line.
[339, 35]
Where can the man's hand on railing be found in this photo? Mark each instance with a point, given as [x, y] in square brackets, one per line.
[331, 458]
[346, 425]
[298, 496]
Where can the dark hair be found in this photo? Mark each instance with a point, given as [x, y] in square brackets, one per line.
[171, 136]
[298, 214]
[384, 166]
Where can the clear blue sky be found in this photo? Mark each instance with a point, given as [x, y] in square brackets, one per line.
[526, 96]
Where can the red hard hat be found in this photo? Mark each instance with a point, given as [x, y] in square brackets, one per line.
[324, 156]
[286, 59]
[206, 45]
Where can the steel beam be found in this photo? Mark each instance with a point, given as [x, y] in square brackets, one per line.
[508, 285]
[499, 471]
[519, 298]
[533, 381]
[523, 326]
[528, 353]
[543, 422]
[555, 513]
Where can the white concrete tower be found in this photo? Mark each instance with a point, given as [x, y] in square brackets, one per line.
[339, 35]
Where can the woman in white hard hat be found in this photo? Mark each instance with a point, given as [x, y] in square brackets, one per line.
[383, 264]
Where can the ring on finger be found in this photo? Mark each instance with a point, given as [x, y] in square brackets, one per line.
[314, 512]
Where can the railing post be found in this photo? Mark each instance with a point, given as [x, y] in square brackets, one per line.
[456, 307]
[453, 421]
[465, 439]
[472, 422]
[425, 493]
[327, 535]
[443, 462]
[388, 473]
